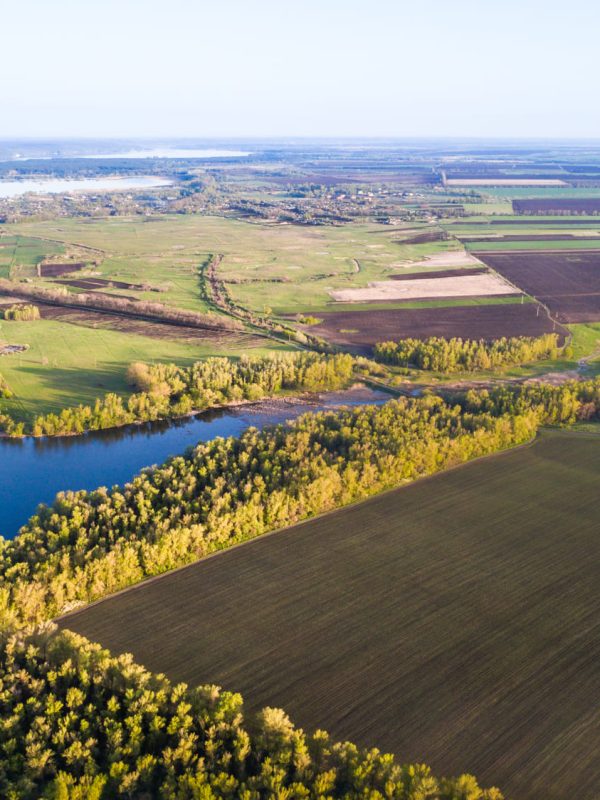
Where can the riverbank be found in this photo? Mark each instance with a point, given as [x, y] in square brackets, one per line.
[35, 469]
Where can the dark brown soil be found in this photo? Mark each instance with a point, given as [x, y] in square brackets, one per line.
[557, 205]
[423, 238]
[454, 622]
[54, 270]
[568, 282]
[142, 327]
[360, 330]
[443, 273]
[102, 283]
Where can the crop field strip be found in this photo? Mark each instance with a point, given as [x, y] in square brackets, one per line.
[440, 273]
[558, 204]
[529, 237]
[568, 283]
[455, 621]
[466, 284]
[360, 330]
[532, 245]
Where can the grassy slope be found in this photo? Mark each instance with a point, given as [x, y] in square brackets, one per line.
[454, 621]
[69, 364]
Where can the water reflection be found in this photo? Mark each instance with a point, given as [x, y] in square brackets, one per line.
[32, 470]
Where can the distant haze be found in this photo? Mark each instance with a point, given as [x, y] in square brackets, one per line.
[200, 68]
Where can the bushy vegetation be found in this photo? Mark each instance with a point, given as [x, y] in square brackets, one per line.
[22, 312]
[308, 319]
[4, 388]
[467, 355]
[89, 544]
[166, 390]
[79, 724]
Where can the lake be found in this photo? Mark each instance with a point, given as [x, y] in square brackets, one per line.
[66, 186]
[173, 152]
[33, 470]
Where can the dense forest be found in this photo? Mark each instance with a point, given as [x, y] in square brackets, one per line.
[78, 724]
[166, 390]
[22, 312]
[89, 544]
[466, 355]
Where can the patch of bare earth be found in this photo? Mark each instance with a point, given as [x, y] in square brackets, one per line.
[477, 285]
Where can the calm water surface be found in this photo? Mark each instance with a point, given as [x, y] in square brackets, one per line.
[173, 152]
[66, 186]
[32, 470]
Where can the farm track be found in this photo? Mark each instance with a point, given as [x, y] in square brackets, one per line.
[454, 621]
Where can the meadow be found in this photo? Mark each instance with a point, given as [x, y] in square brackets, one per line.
[70, 364]
[19, 255]
[522, 192]
[283, 267]
[453, 621]
[278, 270]
[495, 245]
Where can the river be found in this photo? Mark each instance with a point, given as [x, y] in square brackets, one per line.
[33, 470]
[69, 185]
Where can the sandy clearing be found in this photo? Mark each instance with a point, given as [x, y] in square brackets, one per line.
[478, 285]
[453, 258]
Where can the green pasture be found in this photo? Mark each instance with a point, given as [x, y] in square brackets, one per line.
[536, 192]
[535, 244]
[311, 261]
[69, 364]
[19, 255]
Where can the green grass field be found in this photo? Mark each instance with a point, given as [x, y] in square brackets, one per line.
[19, 255]
[454, 621]
[536, 244]
[488, 208]
[67, 364]
[522, 192]
[167, 251]
[70, 364]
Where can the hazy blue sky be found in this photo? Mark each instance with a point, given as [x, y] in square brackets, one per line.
[299, 67]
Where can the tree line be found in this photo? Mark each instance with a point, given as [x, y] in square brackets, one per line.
[467, 355]
[166, 390]
[22, 312]
[120, 305]
[216, 292]
[79, 724]
[88, 544]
